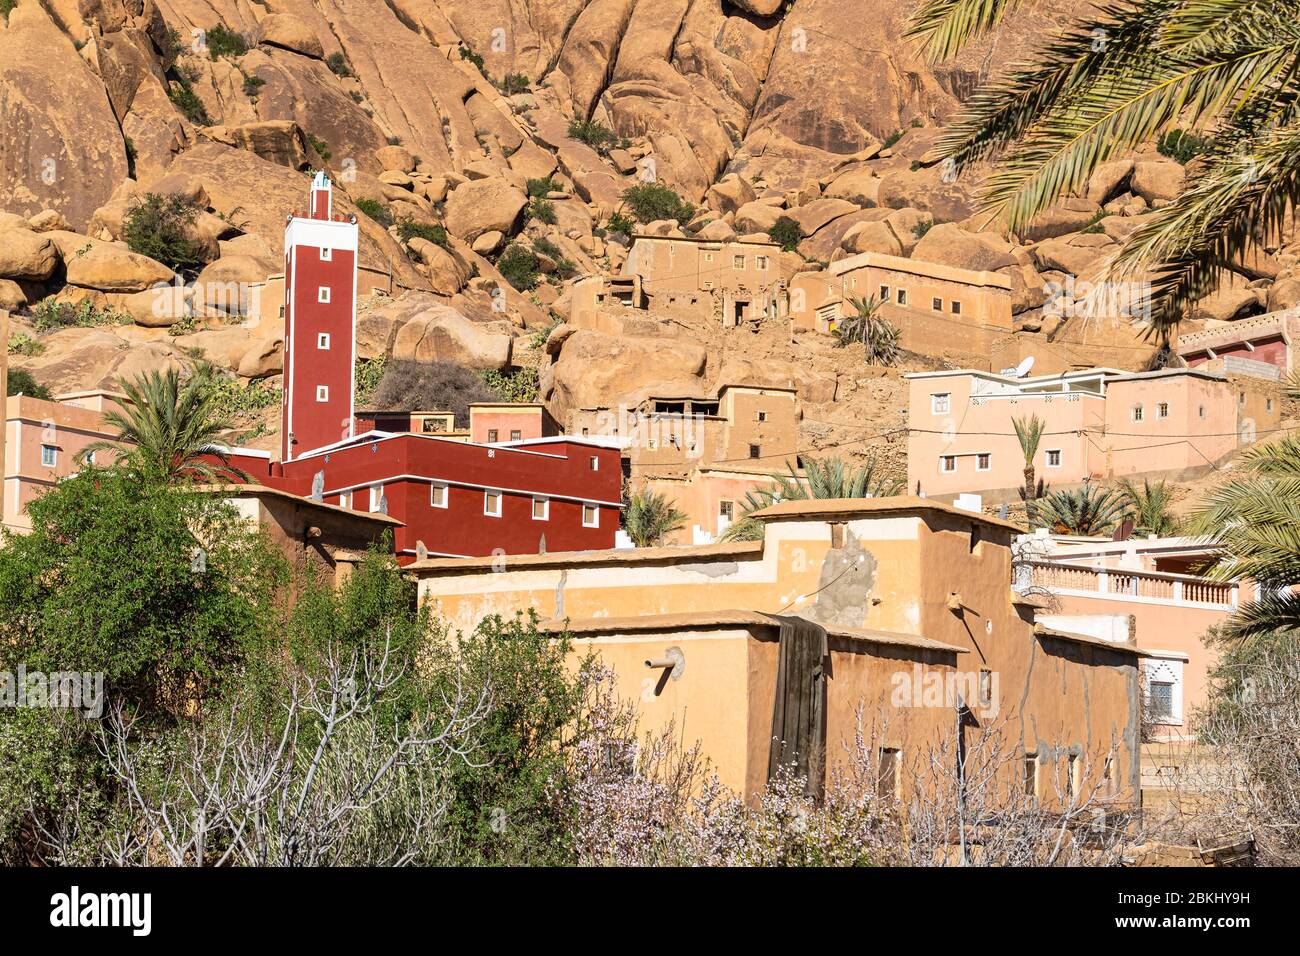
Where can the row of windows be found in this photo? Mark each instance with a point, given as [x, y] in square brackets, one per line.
[984, 461]
[900, 296]
[515, 435]
[889, 764]
[738, 262]
[438, 498]
[941, 404]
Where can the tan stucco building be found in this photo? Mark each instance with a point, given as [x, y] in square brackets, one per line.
[905, 593]
[735, 282]
[940, 309]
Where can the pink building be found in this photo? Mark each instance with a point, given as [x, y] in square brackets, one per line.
[43, 441]
[1152, 586]
[1263, 346]
[1099, 423]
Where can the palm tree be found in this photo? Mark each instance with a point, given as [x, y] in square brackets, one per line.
[1118, 78]
[171, 427]
[651, 516]
[826, 478]
[1090, 510]
[1029, 432]
[1150, 505]
[1255, 518]
[878, 336]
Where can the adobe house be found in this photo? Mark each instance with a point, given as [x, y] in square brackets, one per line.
[735, 282]
[938, 308]
[43, 440]
[493, 422]
[313, 535]
[858, 603]
[1156, 584]
[1263, 346]
[1099, 424]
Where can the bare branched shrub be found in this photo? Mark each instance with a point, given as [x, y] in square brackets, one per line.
[433, 386]
[336, 775]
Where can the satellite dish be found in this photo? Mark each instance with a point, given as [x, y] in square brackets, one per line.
[1023, 368]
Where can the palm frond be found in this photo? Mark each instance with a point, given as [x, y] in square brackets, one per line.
[946, 26]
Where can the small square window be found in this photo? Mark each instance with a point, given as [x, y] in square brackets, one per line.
[726, 509]
[1162, 410]
[322, 393]
[590, 516]
[492, 504]
[936, 304]
[755, 451]
[90, 458]
[983, 461]
[1137, 413]
[947, 463]
[323, 294]
[884, 293]
[761, 262]
[492, 436]
[762, 416]
[541, 509]
[437, 496]
[956, 307]
[376, 497]
[902, 297]
[326, 255]
[1200, 411]
[738, 262]
[1268, 404]
[1161, 700]
[1054, 458]
[49, 456]
[941, 403]
[516, 435]
[595, 463]
[323, 340]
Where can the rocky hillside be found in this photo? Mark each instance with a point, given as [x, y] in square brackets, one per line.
[466, 134]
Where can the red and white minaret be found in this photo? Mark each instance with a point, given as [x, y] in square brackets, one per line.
[320, 319]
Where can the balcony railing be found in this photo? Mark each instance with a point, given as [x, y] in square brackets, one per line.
[1156, 587]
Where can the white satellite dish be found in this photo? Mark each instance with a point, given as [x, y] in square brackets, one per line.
[1023, 368]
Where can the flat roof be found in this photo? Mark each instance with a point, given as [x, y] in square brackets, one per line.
[233, 490]
[703, 620]
[1042, 630]
[921, 267]
[559, 559]
[846, 508]
[734, 241]
[1113, 374]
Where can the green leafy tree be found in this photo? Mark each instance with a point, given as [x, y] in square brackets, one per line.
[879, 336]
[1116, 79]
[1152, 506]
[1029, 433]
[512, 803]
[1089, 510]
[172, 428]
[21, 382]
[650, 517]
[786, 233]
[159, 227]
[518, 265]
[654, 201]
[822, 478]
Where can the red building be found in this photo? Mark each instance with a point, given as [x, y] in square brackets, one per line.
[454, 497]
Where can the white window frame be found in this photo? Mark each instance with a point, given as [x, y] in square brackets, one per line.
[376, 496]
[762, 263]
[433, 491]
[935, 403]
[1047, 457]
[945, 461]
[326, 255]
[53, 456]
[1137, 413]
[323, 295]
[595, 511]
[595, 463]
[901, 297]
[546, 508]
[323, 341]
[954, 306]
[884, 293]
[322, 393]
[1162, 410]
[488, 498]
[1165, 670]
[984, 454]
[737, 262]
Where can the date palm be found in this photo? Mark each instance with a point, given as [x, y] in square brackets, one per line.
[1151, 504]
[824, 478]
[1089, 510]
[650, 517]
[1029, 432]
[171, 428]
[879, 337]
[1118, 79]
